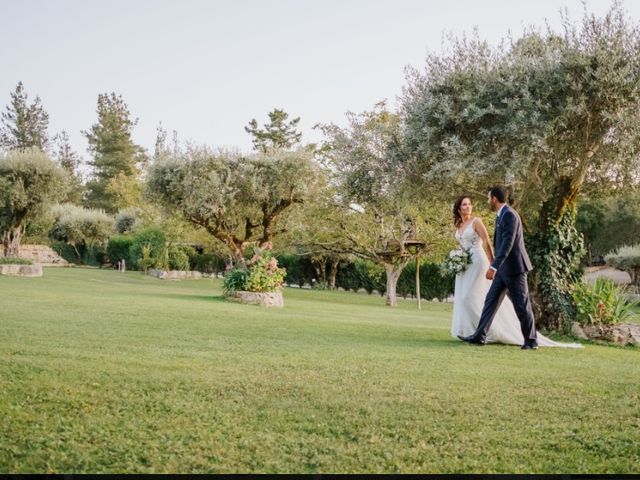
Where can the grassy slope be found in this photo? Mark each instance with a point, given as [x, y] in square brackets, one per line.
[109, 372]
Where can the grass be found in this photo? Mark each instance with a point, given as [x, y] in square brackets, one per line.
[108, 372]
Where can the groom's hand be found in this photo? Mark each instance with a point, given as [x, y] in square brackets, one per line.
[491, 273]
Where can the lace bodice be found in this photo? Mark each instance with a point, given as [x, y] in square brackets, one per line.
[468, 238]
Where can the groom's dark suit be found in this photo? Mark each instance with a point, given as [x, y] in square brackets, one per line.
[511, 263]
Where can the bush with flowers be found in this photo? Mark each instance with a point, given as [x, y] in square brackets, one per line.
[261, 275]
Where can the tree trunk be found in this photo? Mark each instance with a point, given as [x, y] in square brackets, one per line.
[634, 273]
[238, 255]
[556, 250]
[11, 241]
[393, 274]
[320, 266]
[333, 272]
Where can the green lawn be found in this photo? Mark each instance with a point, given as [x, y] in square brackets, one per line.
[109, 372]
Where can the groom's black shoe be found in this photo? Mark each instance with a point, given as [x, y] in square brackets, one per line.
[472, 339]
[528, 346]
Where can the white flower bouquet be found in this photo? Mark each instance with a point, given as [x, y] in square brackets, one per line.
[457, 261]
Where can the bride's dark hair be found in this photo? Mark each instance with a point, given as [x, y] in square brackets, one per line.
[457, 217]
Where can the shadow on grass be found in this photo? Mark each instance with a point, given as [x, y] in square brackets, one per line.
[200, 298]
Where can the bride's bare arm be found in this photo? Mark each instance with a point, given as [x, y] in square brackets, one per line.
[481, 230]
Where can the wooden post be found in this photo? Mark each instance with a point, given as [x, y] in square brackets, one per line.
[418, 282]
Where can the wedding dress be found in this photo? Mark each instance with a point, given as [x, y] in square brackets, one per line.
[471, 288]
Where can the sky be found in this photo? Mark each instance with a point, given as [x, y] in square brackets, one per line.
[205, 68]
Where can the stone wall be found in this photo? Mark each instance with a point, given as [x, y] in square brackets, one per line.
[21, 270]
[618, 276]
[622, 334]
[175, 274]
[42, 254]
[265, 299]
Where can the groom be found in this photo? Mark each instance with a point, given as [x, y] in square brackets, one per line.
[508, 272]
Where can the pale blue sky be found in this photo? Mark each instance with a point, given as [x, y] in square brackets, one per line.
[205, 68]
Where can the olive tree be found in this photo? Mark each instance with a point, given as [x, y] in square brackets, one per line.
[547, 115]
[239, 200]
[29, 183]
[373, 213]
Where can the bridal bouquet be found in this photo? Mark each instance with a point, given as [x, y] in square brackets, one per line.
[457, 261]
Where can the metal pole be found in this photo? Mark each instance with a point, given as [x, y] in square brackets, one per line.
[418, 282]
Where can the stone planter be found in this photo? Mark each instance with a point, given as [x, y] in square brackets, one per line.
[34, 270]
[175, 274]
[622, 334]
[264, 299]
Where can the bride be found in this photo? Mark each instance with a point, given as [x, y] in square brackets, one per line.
[471, 286]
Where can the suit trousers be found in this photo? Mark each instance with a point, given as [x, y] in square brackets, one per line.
[516, 288]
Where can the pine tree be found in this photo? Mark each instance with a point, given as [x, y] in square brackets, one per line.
[70, 161]
[115, 156]
[66, 157]
[276, 134]
[24, 125]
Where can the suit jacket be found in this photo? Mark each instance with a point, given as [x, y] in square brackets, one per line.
[510, 255]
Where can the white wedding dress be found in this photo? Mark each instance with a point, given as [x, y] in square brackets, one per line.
[470, 291]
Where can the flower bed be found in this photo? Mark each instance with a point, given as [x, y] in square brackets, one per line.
[257, 284]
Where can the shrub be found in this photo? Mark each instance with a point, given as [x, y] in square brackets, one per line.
[94, 255]
[362, 274]
[82, 254]
[147, 260]
[347, 278]
[320, 286]
[370, 276]
[434, 283]
[206, 262]
[15, 261]
[627, 258]
[299, 269]
[178, 258]
[406, 285]
[66, 251]
[601, 303]
[149, 249]
[235, 280]
[119, 248]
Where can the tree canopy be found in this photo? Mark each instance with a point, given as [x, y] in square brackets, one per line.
[239, 200]
[542, 114]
